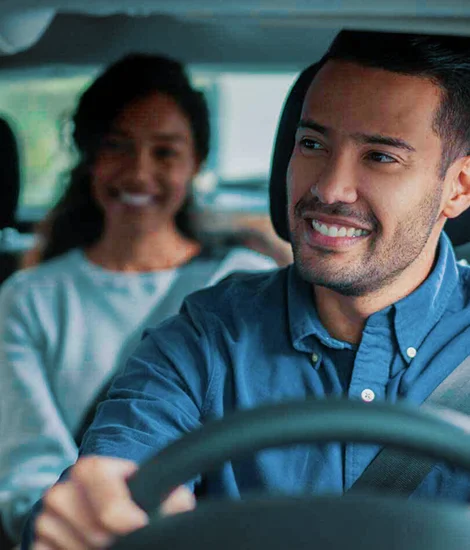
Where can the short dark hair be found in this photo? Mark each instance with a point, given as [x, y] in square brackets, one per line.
[445, 60]
[76, 220]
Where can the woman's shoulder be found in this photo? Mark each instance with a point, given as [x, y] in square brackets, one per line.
[241, 258]
[46, 274]
[236, 259]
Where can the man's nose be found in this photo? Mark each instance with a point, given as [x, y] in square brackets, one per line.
[336, 183]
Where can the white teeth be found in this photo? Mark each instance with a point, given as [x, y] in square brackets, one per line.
[135, 199]
[335, 231]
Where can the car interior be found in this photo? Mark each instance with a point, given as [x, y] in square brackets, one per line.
[51, 49]
[248, 57]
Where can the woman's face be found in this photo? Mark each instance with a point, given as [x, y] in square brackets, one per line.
[145, 164]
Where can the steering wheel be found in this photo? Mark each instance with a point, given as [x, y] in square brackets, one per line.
[353, 522]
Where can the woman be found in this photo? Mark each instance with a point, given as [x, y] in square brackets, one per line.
[115, 250]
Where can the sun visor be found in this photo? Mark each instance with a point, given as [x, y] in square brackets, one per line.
[19, 31]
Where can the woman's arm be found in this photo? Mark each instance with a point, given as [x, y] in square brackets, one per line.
[35, 444]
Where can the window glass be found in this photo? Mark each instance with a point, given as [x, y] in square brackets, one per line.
[39, 111]
[249, 108]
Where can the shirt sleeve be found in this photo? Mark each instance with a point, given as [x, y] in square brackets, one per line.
[161, 395]
[35, 444]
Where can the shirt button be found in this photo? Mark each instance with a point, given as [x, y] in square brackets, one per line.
[367, 395]
[411, 352]
[314, 357]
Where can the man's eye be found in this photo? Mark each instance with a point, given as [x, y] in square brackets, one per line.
[382, 158]
[311, 144]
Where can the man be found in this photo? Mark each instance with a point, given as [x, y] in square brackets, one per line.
[375, 306]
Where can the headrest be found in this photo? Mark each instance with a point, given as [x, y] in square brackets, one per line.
[458, 229]
[283, 146]
[10, 175]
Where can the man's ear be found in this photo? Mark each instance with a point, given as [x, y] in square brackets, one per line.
[459, 199]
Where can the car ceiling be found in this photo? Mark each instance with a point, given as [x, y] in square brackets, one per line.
[261, 33]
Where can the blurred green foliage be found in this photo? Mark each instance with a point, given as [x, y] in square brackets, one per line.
[39, 110]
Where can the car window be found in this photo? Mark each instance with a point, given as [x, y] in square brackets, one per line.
[39, 109]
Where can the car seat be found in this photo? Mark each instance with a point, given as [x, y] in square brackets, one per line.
[10, 191]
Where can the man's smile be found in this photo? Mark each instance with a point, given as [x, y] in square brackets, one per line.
[332, 230]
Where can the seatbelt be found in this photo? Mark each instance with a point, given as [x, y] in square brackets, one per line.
[193, 276]
[399, 472]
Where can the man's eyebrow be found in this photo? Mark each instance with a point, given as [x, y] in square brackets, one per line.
[373, 139]
[312, 125]
[378, 139]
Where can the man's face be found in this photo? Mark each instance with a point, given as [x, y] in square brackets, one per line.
[364, 189]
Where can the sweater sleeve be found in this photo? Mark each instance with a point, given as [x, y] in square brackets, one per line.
[162, 394]
[35, 444]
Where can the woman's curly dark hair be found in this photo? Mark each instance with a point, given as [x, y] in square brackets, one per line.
[77, 220]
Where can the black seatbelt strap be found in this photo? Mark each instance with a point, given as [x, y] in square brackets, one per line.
[400, 472]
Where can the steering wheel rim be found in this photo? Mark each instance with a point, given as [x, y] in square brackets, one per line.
[309, 421]
[334, 523]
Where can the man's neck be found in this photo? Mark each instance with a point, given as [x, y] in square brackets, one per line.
[344, 317]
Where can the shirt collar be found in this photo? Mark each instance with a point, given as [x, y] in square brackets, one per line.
[418, 313]
[304, 323]
[414, 316]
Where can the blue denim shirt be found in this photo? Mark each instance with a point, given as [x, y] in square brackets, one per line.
[256, 339]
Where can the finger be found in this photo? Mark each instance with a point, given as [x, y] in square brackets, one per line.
[53, 532]
[103, 481]
[180, 500]
[66, 500]
[41, 546]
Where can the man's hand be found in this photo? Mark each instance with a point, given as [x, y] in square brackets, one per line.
[94, 506]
